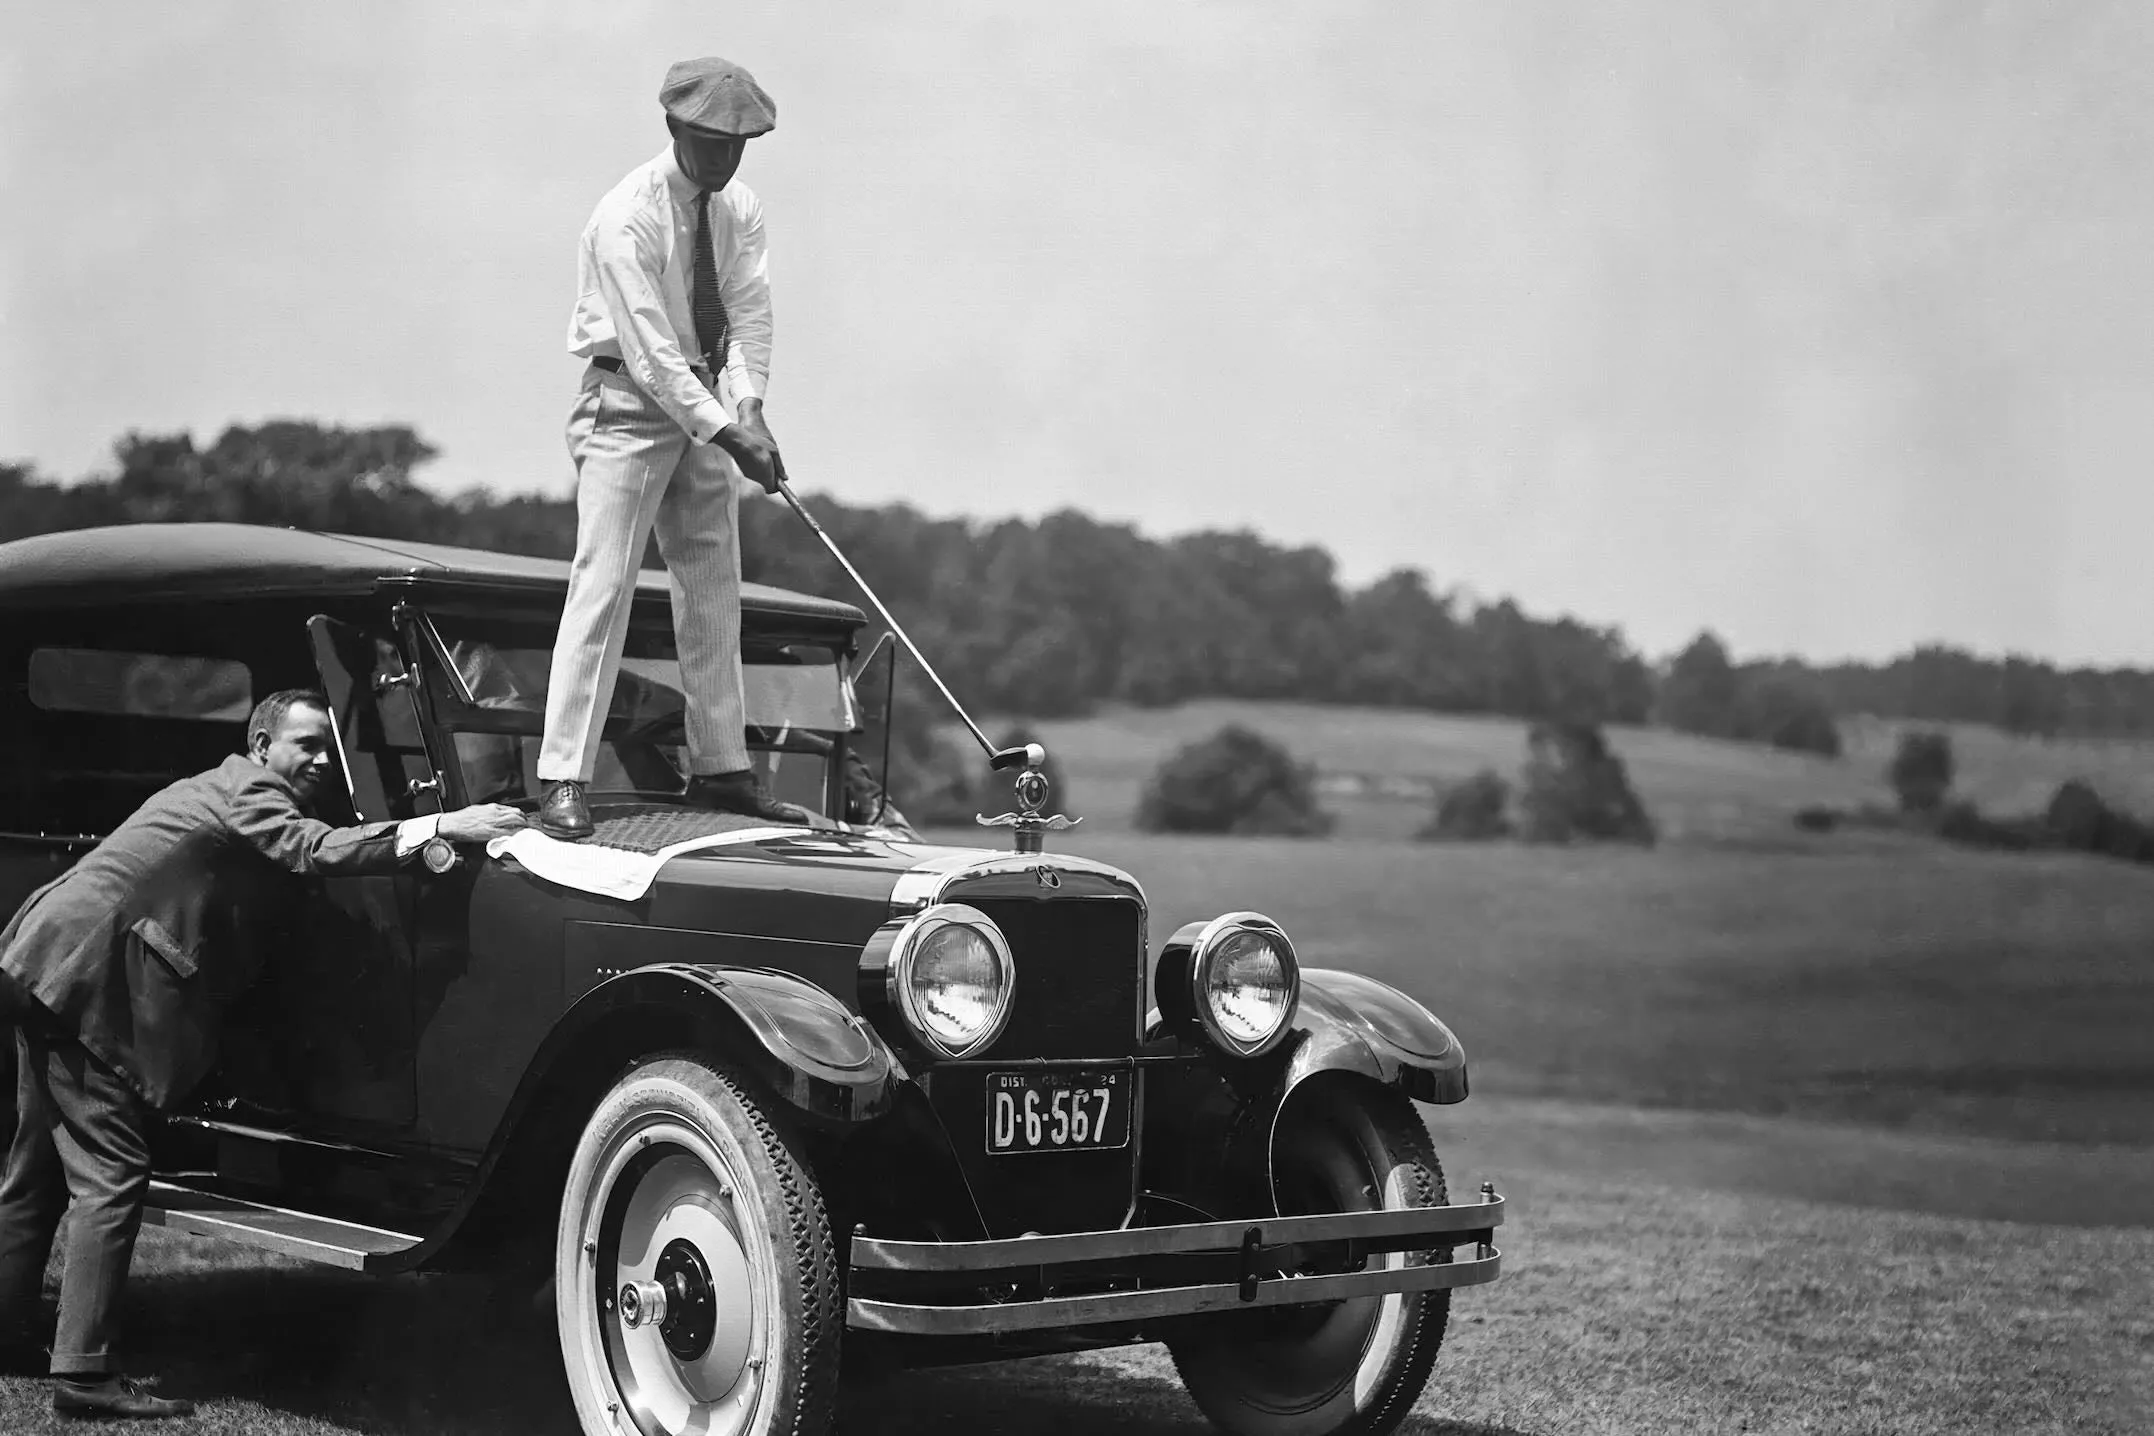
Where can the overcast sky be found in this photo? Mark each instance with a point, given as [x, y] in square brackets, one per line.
[1830, 326]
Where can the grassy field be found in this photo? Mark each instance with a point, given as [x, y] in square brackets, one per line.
[1904, 985]
[1699, 789]
[1625, 1309]
[1833, 1134]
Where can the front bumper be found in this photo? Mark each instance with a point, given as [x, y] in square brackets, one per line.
[1140, 1274]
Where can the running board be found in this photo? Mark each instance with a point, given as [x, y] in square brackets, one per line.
[277, 1229]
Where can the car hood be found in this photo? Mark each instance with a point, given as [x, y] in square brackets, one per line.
[839, 887]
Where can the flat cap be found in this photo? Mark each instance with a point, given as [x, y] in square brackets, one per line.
[719, 96]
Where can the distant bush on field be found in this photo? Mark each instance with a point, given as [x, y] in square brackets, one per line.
[1964, 823]
[1574, 788]
[1921, 771]
[1236, 781]
[1475, 810]
[2078, 819]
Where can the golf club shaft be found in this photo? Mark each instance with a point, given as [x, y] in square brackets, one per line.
[883, 609]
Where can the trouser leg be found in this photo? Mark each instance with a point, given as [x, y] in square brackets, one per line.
[625, 449]
[101, 1135]
[699, 534]
[33, 1194]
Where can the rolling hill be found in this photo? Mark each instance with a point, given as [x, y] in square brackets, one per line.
[1381, 766]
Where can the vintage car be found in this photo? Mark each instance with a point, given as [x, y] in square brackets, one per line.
[744, 1096]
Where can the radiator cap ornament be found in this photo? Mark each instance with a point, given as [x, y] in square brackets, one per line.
[1028, 822]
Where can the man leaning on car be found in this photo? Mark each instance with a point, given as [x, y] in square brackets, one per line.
[110, 975]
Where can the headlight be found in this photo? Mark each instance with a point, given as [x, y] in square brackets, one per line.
[947, 973]
[1235, 977]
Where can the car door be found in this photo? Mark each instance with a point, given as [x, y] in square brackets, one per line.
[477, 971]
[334, 1011]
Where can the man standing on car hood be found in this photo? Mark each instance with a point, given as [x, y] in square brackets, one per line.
[673, 314]
[113, 975]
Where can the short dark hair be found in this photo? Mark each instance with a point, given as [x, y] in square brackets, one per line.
[268, 715]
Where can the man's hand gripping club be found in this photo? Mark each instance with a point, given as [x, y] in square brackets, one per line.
[748, 440]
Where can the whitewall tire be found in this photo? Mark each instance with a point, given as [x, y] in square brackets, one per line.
[696, 1284]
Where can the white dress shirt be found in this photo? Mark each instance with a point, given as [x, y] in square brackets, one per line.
[634, 269]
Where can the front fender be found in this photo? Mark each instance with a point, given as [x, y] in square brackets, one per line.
[1221, 1129]
[1351, 1023]
[804, 1046]
[810, 1050]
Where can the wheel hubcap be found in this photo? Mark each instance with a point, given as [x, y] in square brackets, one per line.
[689, 1318]
[678, 1302]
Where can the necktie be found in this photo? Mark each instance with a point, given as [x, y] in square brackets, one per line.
[708, 303]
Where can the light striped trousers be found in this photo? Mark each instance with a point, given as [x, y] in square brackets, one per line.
[636, 470]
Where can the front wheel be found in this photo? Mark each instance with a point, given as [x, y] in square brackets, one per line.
[696, 1286]
[1341, 1368]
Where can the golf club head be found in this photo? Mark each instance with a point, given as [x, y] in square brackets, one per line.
[1025, 755]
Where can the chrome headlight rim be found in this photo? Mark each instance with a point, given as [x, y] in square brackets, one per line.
[1205, 951]
[904, 952]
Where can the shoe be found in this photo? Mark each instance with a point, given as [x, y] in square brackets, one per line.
[115, 1396]
[561, 810]
[741, 793]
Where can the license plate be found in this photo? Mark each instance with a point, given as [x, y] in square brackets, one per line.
[1057, 1110]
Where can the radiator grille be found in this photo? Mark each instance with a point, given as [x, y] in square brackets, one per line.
[1080, 992]
[1080, 976]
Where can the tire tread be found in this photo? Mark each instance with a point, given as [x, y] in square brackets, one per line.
[822, 1314]
[1399, 1129]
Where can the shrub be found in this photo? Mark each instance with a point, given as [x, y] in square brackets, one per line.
[1963, 822]
[2078, 819]
[1476, 810]
[1818, 819]
[1235, 781]
[1921, 770]
[1575, 788]
[1789, 717]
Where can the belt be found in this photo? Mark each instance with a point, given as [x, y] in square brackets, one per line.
[613, 366]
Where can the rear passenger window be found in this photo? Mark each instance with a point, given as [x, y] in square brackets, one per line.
[140, 685]
[103, 704]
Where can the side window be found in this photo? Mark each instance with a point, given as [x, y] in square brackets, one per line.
[104, 709]
[140, 685]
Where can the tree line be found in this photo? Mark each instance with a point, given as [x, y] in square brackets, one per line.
[1049, 618]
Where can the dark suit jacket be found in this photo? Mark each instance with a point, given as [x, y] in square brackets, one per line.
[134, 951]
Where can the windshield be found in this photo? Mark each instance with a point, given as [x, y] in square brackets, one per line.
[789, 686]
[799, 697]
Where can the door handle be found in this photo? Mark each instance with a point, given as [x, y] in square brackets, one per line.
[417, 786]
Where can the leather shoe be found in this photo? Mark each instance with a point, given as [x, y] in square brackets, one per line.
[743, 793]
[561, 810]
[115, 1396]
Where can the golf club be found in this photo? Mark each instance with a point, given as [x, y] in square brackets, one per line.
[997, 758]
